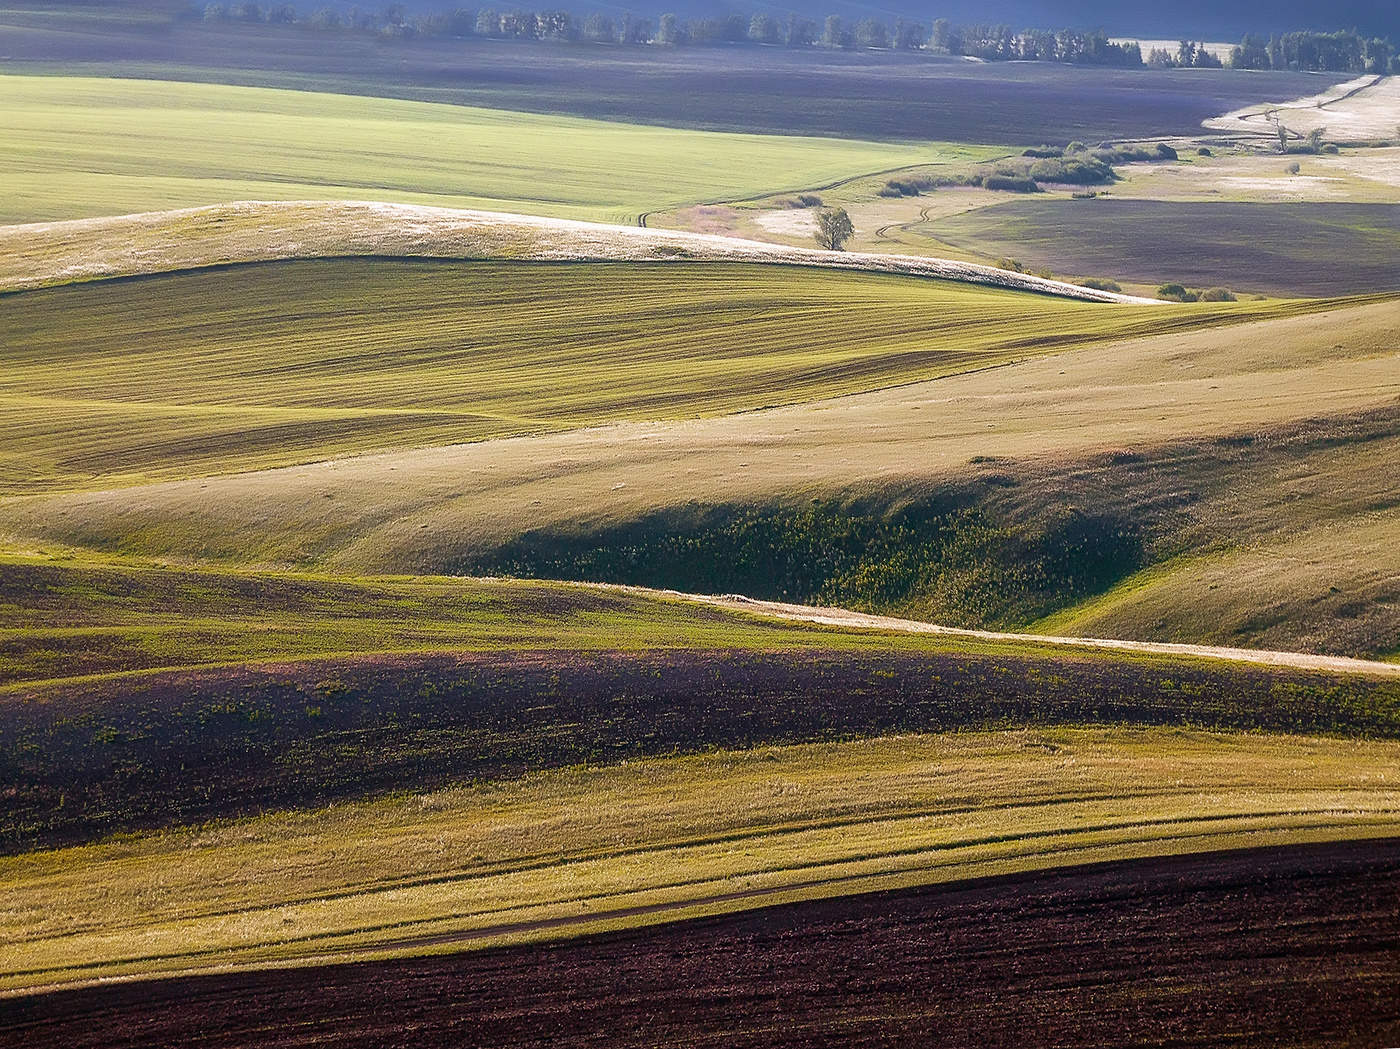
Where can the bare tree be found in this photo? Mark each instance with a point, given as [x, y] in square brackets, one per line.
[834, 228]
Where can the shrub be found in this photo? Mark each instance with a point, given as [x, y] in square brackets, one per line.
[1331, 147]
[1204, 151]
[1011, 264]
[1166, 152]
[1218, 295]
[1083, 194]
[808, 200]
[1079, 171]
[1175, 292]
[897, 187]
[1011, 184]
[1100, 284]
[1051, 152]
[1294, 168]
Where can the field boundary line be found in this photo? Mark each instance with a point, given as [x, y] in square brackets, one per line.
[849, 618]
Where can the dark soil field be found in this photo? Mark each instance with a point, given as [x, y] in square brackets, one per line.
[859, 95]
[92, 757]
[1295, 947]
[1275, 249]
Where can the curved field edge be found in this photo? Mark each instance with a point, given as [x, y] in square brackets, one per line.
[373, 509]
[269, 364]
[54, 253]
[103, 754]
[84, 146]
[564, 853]
[1113, 948]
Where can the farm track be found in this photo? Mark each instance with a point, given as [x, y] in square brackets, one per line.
[846, 618]
[1090, 956]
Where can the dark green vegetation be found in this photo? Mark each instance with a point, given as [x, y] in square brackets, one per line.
[1016, 541]
[1282, 249]
[872, 95]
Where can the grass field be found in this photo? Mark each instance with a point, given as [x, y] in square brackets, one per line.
[144, 696]
[428, 509]
[258, 366]
[72, 147]
[602, 848]
[237, 734]
[1317, 248]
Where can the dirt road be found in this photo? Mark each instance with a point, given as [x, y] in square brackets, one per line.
[843, 617]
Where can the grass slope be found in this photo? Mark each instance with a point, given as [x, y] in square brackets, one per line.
[144, 696]
[75, 146]
[580, 850]
[431, 509]
[265, 365]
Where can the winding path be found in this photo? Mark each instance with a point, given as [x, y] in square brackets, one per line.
[842, 617]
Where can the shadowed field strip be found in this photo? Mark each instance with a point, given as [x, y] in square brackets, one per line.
[1080, 955]
[583, 849]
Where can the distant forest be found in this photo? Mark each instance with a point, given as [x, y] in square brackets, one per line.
[1344, 51]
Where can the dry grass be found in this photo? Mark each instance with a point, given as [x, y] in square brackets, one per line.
[42, 254]
[419, 510]
[222, 370]
[567, 852]
[1359, 110]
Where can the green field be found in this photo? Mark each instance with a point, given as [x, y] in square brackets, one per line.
[72, 147]
[1079, 479]
[308, 512]
[113, 383]
[597, 848]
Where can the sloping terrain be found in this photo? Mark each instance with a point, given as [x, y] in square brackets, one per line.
[564, 853]
[1233, 442]
[883, 95]
[221, 370]
[35, 255]
[74, 146]
[1088, 958]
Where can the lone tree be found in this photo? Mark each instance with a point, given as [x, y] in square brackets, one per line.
[834, 228]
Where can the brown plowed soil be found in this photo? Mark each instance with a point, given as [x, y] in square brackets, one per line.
[1272, 947]
[83, 759]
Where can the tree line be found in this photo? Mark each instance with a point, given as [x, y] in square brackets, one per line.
[1330, 52]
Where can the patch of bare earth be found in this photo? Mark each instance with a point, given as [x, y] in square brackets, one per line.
[1298, 947]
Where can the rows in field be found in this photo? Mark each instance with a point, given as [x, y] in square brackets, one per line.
[263, 365]
[1098, 950]
[567, 852]
[91, 756]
